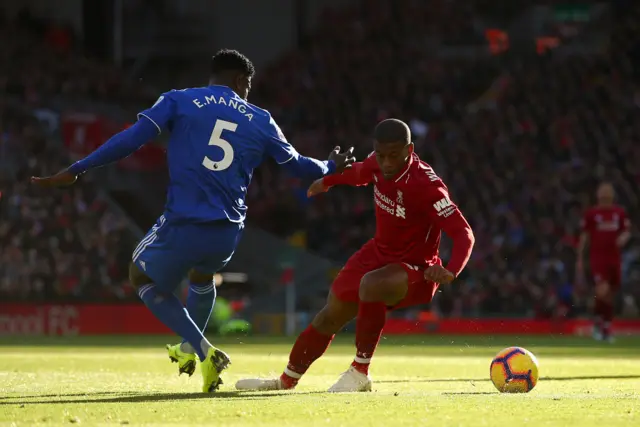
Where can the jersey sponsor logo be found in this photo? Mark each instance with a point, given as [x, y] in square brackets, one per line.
[444, 207]
[607, 226]
[604, 225]
[386, 204]
[430, 173]
[442, 204]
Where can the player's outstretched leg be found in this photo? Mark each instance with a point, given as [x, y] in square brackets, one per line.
[170, 311]
[200, 301]
[378, 289]
[310, 345]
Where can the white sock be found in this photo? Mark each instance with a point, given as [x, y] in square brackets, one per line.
[205, 345]
[185, 347]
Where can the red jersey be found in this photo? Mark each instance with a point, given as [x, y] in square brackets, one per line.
[411, 211]
[604, 224]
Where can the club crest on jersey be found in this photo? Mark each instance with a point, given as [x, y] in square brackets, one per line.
[399, 197]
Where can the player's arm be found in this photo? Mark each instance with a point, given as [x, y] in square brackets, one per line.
[359, 174]
[301, 166]
[150, 123]
[445, 214]
[625, 234]
[583, 240]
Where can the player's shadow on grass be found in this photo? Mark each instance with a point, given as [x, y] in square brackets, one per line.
[134, 397]
[466, 393]
[40, 396]
[456, 380]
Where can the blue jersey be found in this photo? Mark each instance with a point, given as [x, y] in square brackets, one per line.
[217, 139]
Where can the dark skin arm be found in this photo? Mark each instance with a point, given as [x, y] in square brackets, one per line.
[65, 178]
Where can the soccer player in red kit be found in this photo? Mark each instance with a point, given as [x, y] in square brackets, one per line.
[398, 268]
[606, 227]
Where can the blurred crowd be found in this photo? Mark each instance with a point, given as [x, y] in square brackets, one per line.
[54, 244]
[40, 60]
[522, 147]
[521, 143]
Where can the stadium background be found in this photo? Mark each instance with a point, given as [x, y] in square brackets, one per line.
[521, 107]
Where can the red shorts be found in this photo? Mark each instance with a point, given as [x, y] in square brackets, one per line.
[346, 285]
[607, 270]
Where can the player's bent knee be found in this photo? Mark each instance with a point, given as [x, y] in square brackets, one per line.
[370, 287]
[379, 286]
[136, 277]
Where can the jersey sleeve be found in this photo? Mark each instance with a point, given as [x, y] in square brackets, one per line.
[286, 155]
[277, 146]
[161, 113]
[359, 174]
[445, 214]
[625, 222]
[586, 223]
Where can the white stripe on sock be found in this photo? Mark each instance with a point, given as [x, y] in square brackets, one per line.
[362, 360]
[202, 291]
[144, 289]
[292, 374]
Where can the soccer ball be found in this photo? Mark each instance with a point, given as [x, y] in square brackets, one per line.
[514, 370]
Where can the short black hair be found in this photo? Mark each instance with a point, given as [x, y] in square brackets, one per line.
[231, 60]
[392, 130]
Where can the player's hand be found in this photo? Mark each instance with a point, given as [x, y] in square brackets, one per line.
[342, 160]
[61, 179]
[438, 274]
[316, 188]
[602, 289]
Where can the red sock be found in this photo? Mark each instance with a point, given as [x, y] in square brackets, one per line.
[371, 319]
[607, 312]
[309, 346]
[603, 310]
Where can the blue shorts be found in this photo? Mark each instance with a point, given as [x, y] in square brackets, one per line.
[168, 251]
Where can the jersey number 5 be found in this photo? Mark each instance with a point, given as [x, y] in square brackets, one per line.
[216, 140]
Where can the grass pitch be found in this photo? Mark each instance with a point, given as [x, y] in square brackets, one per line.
[440, 381]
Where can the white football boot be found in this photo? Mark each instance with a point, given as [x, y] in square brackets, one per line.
[350, 381]
[260, 384]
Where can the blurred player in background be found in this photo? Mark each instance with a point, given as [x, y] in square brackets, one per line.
[217, 139]
[607, 229]
[399, 267]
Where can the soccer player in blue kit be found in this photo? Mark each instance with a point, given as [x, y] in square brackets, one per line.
[217, 139]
